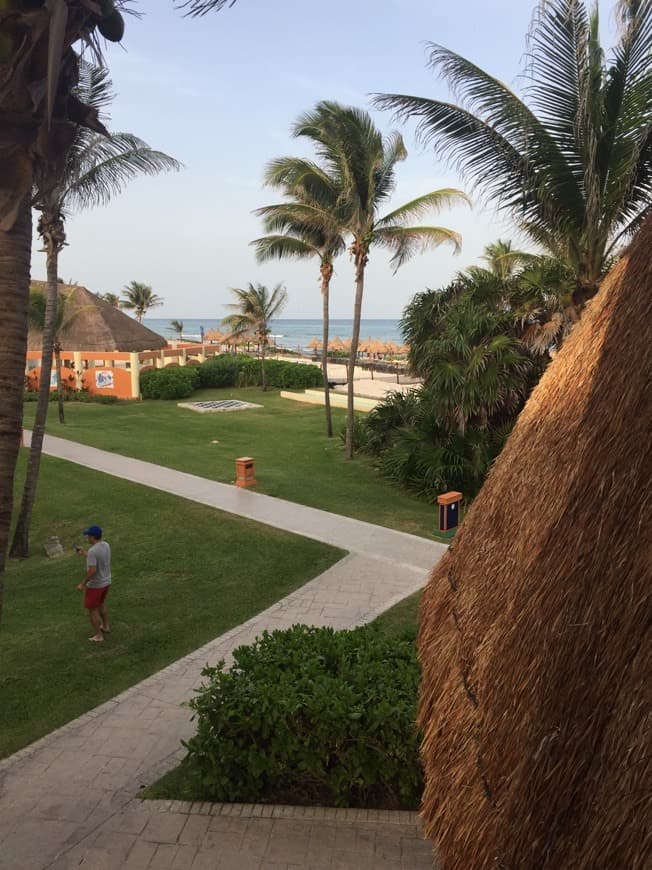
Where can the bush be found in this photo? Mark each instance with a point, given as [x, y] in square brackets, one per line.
[173, 383]
[327, 716]
[73, 396]
[240, 370]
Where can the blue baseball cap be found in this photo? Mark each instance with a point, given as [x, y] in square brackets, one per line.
[95, 531]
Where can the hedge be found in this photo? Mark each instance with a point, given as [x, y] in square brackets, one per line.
[240, 370]
[173, 383]
[324, 714]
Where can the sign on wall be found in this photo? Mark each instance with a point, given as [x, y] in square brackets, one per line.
[104, 379]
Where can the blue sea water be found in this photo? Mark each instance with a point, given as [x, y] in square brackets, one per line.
[288, 332]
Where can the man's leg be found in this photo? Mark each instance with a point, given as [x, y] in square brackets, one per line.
[94, 615]
[104, 618]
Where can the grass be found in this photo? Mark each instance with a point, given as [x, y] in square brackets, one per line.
[183, 574]
[402, 617]
[294, 459]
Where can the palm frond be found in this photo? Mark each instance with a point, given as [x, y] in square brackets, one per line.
[434, 201]
[109, 164]
[280, 247]
[196, 8]
[405, 242]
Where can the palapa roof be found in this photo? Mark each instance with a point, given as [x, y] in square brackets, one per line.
[535, 627]
[91, 324]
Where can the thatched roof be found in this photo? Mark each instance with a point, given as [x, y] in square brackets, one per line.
[535, 627]
[90, 323]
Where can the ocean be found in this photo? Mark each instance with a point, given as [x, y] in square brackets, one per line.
[287, 332]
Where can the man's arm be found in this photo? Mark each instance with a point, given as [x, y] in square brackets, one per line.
[90, 571]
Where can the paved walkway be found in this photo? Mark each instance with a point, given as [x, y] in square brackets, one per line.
[68, 800]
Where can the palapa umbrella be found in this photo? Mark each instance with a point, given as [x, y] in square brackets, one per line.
[314, 344]
[534, 633]
[336, 344]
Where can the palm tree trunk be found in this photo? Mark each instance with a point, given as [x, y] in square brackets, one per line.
[51, 228]
[15, 253]
[326, 275]
[57, 358]
[360, 255]
[262, 364]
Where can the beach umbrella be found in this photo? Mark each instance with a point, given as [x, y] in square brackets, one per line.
[314, 344]
[214, 335]
[404, 349]
[391, 347]
[534, 634]
[363, 345]
[336, 344]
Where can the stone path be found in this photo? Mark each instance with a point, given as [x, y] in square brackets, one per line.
[68, 800]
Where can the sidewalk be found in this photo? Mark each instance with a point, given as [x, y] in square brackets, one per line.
[68, 800]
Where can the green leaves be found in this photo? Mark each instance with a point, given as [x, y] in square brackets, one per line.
[325, 714]
[573, 164]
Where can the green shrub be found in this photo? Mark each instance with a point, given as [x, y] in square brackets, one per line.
[240, 370]
[173, 383]
[220, 371]
[74, 396]
[328, 715]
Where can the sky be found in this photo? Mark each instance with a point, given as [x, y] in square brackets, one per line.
[220, 94]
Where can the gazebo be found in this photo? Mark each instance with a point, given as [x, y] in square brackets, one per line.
[91, 324]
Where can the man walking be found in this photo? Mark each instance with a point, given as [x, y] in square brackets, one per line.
[97, 581]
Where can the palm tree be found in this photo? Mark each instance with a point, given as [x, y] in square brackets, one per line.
[39, 114]
[177, 326]
[575, 170]
[39, 305]
[364, 162]
[253, 310]
[112, 298]
[139, 297]
[303, 228]
[95, 169]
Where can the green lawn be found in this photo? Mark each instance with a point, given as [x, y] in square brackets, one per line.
[402, 617]
[294, 459]
[183, 574]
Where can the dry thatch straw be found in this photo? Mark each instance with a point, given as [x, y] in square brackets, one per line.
[534, 633]
[91, 324]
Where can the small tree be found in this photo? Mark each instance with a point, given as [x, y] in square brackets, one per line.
[253, 310]
[177, 326]
[112, 298]
[139, 298]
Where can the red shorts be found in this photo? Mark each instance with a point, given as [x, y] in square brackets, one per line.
[95, 597]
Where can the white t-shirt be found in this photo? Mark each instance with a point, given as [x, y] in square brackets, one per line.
[99, 557]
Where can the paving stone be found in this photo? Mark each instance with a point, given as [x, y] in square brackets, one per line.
[164, 827]
[194, 830]
[140, 856]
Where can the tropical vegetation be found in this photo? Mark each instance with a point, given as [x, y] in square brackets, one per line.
[352, 150]
[479, 345]
[307, 225]
[311, 713]
[139, 298]
[112, 299]
[39, 114]
[571, 163]
[95, 169]
[254, 308]
[177, 327]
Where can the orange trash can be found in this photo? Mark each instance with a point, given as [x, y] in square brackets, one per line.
[245, 474]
